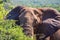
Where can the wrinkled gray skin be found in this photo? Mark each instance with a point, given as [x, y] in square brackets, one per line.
[52, 28]
[54, 24]
[49, 27]
[50, 23]
[56, 35]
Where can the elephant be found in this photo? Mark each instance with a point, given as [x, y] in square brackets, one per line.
[32, 20]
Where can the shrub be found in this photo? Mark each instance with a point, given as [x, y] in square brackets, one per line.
[10, 31]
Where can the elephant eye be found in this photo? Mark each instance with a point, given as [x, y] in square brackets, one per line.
[35, 12]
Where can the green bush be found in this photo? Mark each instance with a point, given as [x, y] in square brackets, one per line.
[10, 31]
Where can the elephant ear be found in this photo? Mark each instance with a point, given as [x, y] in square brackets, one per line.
[14, 13]
[17, 9]
[49, 13]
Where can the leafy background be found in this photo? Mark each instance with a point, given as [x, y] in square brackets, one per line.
[8, 29]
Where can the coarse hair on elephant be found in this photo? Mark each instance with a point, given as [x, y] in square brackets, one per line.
[31, 19]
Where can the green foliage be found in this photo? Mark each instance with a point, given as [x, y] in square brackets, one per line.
[10, 31]
[2, 11]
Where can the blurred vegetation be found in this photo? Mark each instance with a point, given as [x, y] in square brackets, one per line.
[8, 29]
